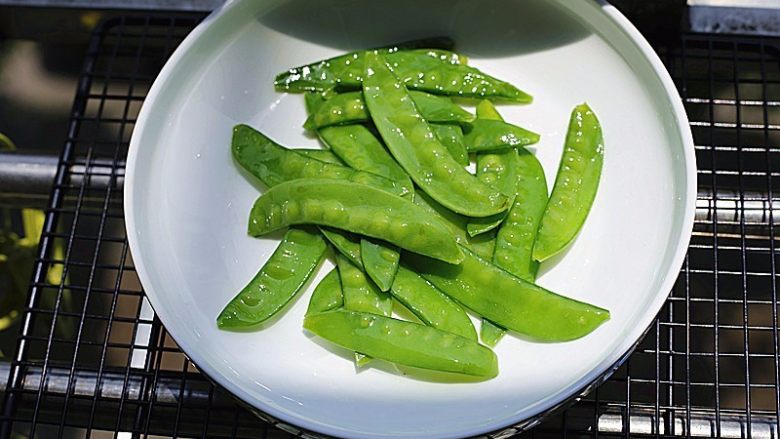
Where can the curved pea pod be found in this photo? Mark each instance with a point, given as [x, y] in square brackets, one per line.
[509, 301]
[456, 224]
[346, 243]
[313, 100]
[359, 293]
[499, 171]
[322, 155]
[347, 70]
[273, 164]
[356, 208]
[490, 333]
[411, 141]
[440, 109]
[430, 305]
[489, 165]
[380, 262]
[401, 342]
[426, 73]
[277, 282]
[327, 295]
[575, 184]
[361, 150]
[516, 236]
[350, 108]
[451, 136]
[496, 135]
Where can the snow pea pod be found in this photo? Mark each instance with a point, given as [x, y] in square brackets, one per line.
[346, 243]
[456, 224]
[497, 135]
[516, 236]
[350, 108]
[498, 170]
[575, 184]
[406, 343]
[360, 149]
[359, 293]
[273, 164]
[313, 101]
[327, 294]
[490, 333]
[346, 71]
[277, 282]
[509, 301]
[411, 141]
[356, 208]
[322, 155]
[417, 70]
[380, 262]
[430, 305]
[451, 136]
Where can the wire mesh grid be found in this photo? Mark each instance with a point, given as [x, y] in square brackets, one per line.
[93, 360]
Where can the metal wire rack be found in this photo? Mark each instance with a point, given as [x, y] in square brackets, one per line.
[93, 360]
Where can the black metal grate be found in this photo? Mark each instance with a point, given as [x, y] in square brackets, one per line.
[93, 359]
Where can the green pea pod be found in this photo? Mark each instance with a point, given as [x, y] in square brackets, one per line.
[360, 294]
[516, 236]
[363, 296]
[313, 101]
[445, 56]
[483, 244]
[496, 135]
[273, 164]
[406, 343]
[282, 276]
[322, 155]
[575, 184]
[430, 305]
[356, 208]
[327, 295]
[411, 141]
[499, 170]
[418, 70]
[440, 109]
[350, 108]
[361, 150]
[380, 262]
[490, 333]
[346, 243]
[451, 136]
[344, 71]
[456, 224]
[509, 301]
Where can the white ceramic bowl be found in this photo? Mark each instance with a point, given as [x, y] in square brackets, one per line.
[187, 205]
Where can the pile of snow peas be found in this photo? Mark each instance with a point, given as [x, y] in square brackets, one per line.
[409, 225]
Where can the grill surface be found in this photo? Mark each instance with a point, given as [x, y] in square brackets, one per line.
[93, 359]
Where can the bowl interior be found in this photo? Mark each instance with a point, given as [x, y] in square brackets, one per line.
[187, 204]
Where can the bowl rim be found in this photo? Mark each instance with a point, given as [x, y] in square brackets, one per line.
[597, 376]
